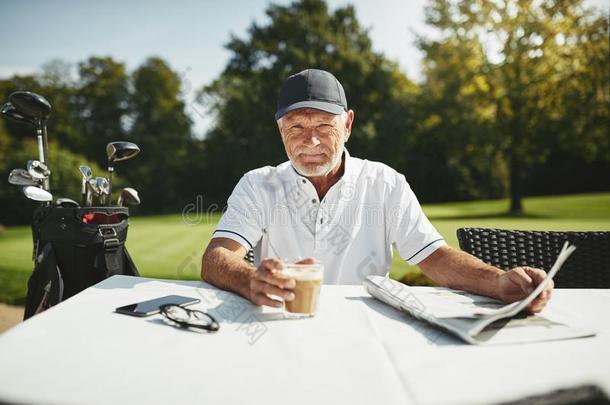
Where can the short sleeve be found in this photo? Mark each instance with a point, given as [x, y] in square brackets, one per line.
[242, 221]
[410, 231]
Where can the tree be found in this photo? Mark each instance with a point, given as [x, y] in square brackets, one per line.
[55, 84]
[457, 154]
[102, 104]
[5, 142]
[537, 64]
[163, 131]
[59, 86]
[304, 34]
[102, 99]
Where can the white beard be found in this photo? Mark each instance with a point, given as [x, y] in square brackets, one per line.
[319, 170]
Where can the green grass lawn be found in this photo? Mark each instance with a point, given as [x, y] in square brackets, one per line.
[170, 247]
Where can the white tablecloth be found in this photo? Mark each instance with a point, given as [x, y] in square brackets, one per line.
[356, 350]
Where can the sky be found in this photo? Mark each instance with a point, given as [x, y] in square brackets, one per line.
[190, 35]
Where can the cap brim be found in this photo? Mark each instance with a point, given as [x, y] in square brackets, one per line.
[317, 105]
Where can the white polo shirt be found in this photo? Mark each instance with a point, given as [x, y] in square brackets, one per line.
[276, 212]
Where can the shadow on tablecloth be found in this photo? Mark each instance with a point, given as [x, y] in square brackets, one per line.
[434, 336]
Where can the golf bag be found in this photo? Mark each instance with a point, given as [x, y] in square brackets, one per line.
[75, 248]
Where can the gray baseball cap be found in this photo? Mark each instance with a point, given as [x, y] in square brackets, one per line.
[311, 88]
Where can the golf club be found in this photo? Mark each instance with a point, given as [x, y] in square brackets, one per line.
[38, 170]
[87, 173]
[99, 187]
[94, 191]
[104, 188]
[21, 177]
[128, 197]
[35, 107]
[66, 203]
[9, 111]
[117, 151]
[91, 192]
[37, 194]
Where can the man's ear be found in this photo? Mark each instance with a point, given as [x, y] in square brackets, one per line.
[349, 120]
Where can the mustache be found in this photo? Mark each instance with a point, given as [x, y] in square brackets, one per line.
[314, 151]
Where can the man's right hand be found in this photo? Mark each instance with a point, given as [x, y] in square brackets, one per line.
[266, 281]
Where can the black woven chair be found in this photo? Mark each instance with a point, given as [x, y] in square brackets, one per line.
[587, 267]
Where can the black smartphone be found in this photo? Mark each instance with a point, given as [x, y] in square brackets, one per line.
[151, 307]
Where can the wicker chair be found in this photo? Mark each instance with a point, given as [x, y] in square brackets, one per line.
[587, 267]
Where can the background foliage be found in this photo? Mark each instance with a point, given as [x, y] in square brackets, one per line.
[514, 101]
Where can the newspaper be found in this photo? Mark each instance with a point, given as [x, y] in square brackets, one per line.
[474, 318]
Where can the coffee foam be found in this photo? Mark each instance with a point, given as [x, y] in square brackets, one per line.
[302, 272]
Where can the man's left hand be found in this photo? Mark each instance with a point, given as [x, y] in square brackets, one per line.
[518, 283]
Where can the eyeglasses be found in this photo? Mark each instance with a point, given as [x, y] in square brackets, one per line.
[189, 318]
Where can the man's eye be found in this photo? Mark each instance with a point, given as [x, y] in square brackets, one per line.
[296, 130]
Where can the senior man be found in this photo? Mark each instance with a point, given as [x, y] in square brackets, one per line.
[347, 213]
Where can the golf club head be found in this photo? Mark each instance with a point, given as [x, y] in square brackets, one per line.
[92, 191]
[93, 188]
[37, 194]
[38, 170]
[9, 111]
[21, 177]
[66, 203]
[121, 150]
[102, 184]
[102, 189]
[128, 197]
[31, 104]
[85, 171]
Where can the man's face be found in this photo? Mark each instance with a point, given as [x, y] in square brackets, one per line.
[314, 139]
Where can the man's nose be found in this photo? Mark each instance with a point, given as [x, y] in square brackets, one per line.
[311, 138]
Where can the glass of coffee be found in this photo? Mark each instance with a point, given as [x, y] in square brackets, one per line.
[308, 279]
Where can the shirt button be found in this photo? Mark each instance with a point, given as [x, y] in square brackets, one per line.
[313, 201]
[304, 181]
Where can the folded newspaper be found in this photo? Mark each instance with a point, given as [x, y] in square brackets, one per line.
[474, 318]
